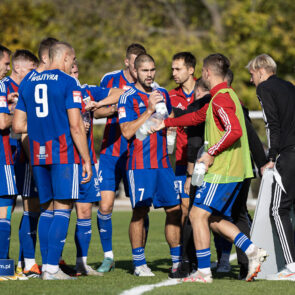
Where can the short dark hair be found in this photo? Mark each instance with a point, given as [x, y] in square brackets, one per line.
[56, 48]
[200, 84]
[45, 46]
[135, 48]
[229, 77]
[218, 63]
[23, 54]
[142, 58]
[188, 57]
[4, 49]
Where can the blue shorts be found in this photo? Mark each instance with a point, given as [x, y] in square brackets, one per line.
[180, 175]
[89, 192]
[111, 171]
[7, 181]
[24, 180]
[153, 186]
[57, 182]
[217, 199]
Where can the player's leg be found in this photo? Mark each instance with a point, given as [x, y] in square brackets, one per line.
[89, 193]
[42, 179]
[167, 196]
[65, 187]
[108, 176]
[28, 235]
[283, 194]
[141, 189]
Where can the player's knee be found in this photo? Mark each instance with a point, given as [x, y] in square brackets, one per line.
[106, 208]
[173, 214]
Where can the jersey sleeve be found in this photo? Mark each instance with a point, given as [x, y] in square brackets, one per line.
[168, 101]
[104, 81]
[3, 99]
[98, 92]
[126, 112]
[73, 94]
[272, 120]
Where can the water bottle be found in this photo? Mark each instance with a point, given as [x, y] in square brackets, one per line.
[198, 174]
[200, 168]
[161, 108]
[86, 116]
[171, 136]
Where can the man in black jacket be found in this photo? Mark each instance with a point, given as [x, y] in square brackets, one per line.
[277, 98]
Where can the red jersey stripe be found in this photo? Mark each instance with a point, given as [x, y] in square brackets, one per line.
[36, 147]
[63, 149]
[48, 151]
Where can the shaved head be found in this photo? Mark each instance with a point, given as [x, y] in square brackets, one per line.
[59, 49]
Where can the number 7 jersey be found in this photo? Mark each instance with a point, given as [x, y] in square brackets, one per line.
[46, 97]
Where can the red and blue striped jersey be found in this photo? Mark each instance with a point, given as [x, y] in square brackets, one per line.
[5, 149]
[46, 97]
[152, 151]
[113, 143]
[18, 153]
[95, 93]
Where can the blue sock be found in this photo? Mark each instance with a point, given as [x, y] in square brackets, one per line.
[138, 256]
[176, 254]
[203, 257]
[5, 230]
[57, 235]
[83, 236]
[242, 242]
[28, 233]
[104, 224]
[45, 221]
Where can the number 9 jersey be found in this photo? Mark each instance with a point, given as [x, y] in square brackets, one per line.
[46, 97]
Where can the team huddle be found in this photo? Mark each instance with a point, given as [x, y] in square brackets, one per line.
[47, 156]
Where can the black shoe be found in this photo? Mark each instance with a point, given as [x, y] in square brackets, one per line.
[181, 272]
[243, 272]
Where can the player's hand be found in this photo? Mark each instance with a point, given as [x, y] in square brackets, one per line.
[207, 160]
[268, 165]
[154, 98]
[92, 106]
[87, 126]
[86, 172]
[187, 185]
[157, 127]
[12, 97]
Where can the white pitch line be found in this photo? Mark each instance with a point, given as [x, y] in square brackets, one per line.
[145, 288]
[171, 282]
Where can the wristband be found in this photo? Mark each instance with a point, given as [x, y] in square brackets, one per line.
[188, 175]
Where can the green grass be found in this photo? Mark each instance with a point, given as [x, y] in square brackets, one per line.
[157, 254]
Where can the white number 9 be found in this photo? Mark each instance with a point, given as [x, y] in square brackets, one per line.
[41, 97]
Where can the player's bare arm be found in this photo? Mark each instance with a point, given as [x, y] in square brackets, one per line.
[79, 137]
[129, 128]
[104, 112]
[19, 122]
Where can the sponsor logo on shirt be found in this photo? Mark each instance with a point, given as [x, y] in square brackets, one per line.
[180, 106]
[141, 105]
[3, 103]
[122, 112]
[42, 153]
[77, 96]
[126, 87]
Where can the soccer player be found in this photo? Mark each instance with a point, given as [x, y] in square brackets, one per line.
[43, 53]
[24, 61]
[48, 109]
[183, 68]
[226, 135]
[89, 192]
[8, 189]
[277, 98]
[150, 176]
[113, 154]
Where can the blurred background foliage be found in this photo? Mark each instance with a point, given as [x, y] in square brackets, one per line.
[100, 31]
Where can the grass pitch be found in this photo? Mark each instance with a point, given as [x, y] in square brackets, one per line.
[158, 258]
